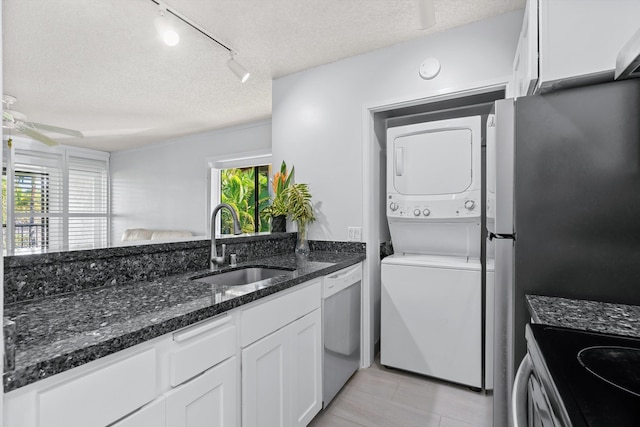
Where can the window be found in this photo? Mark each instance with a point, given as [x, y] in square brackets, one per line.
[247, 190]
[241, 181]
[54, 200]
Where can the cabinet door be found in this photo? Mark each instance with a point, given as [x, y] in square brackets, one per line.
[152, 415]
[266, 397]
[208, 400]
[581, 38]
[306, 368]
[525, 64]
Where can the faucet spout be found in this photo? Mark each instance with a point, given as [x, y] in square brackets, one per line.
[216, 260]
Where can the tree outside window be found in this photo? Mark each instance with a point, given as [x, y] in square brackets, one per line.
[238, 189]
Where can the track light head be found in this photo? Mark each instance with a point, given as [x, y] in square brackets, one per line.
[238, 69]
[169, 36]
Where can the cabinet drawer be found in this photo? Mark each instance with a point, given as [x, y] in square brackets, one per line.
[263, 319]
[100, 397]
[201, 347]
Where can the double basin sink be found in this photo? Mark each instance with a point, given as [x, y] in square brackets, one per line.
[243, 276]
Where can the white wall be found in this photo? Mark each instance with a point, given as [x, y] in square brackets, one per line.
[317, 113]
[165, 185]
[323, 124]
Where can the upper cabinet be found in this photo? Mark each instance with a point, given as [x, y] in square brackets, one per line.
[569, 42]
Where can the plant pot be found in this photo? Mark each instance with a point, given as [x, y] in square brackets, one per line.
[302, 244]
[279, 224]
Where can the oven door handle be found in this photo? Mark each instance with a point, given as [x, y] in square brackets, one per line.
[519, 393]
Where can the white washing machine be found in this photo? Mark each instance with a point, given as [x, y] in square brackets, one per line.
[431, 302]
[431, 316]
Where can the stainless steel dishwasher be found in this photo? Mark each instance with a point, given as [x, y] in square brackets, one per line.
[341, 329]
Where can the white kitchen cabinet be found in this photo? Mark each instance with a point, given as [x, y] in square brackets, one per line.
[306, 368]
[525, 62]
[199, 347]
[135, 382]
[569, 42]
[209, 400]
[282, 376]
[151, 415]
[266, 381]
[192, 378]
[281, 362]
[126, 384]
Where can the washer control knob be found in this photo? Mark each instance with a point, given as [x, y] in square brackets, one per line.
[416, 212]
[469, 204]
[393, 206]
[426, 212]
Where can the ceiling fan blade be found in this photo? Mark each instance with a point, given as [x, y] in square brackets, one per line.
[57, 129]
[426, 13]
[7, 116]
[36, 135]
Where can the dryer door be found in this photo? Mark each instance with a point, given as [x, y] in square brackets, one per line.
[433, 158]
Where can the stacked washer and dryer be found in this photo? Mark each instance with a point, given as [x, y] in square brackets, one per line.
[431, 302]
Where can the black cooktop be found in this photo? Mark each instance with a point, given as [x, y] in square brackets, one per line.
[597, 375]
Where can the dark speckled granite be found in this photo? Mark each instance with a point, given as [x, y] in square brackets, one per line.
[328, 246]
[9, 328]
[594, 316]
[63, 331]
[40, 276]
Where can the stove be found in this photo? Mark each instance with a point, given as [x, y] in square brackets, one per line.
[590, 379]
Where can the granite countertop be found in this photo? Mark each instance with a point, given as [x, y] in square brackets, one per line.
[593, 316]
[59, 333]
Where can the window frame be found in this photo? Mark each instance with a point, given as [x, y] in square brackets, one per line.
[215, 166]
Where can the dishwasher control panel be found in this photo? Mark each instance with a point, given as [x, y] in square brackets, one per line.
[340, 280]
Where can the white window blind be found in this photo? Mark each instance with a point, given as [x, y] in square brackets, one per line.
[59, 201]
[88, 207]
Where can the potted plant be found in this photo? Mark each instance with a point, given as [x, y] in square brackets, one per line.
[279, 209]
[299, 201]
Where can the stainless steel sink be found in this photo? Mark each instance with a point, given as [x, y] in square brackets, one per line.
[243, 276]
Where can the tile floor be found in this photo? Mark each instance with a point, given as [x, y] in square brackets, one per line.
[381, 397]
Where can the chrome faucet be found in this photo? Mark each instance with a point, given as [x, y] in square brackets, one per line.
[216, 260]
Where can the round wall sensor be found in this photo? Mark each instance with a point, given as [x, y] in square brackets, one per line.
[429, 68]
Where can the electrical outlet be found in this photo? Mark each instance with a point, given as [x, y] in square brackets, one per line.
[354, 234]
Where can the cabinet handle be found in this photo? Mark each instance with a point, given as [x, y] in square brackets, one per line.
[519, 393]
[197, 330]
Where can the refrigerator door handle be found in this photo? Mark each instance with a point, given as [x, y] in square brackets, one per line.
[493, 235]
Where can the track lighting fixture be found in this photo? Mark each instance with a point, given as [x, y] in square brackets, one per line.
[238, 69]
[171, 38]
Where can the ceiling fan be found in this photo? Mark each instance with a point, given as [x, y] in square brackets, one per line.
[17, 121]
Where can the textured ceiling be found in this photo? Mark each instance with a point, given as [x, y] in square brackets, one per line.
[98, 66]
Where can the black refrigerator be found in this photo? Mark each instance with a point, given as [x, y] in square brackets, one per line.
[563, 208]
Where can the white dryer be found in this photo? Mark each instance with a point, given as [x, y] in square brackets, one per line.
[433, 187]
[431, 302]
